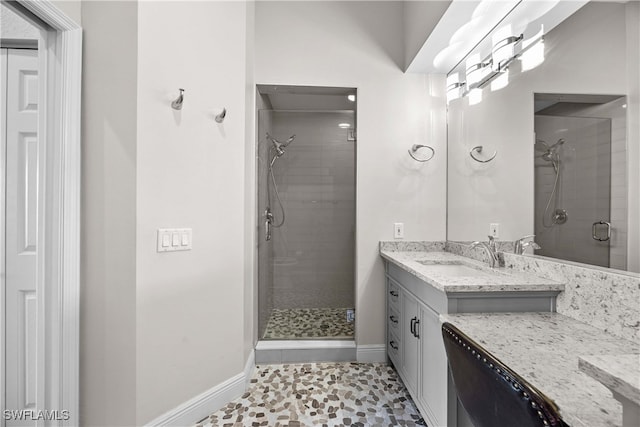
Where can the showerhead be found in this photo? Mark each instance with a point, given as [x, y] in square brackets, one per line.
[279, 146]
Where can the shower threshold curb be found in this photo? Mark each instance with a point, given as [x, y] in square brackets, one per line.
[301, 351]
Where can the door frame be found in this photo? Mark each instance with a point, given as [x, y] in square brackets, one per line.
[58, 263]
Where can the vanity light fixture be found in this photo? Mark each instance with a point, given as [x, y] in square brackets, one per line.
[532, 53]
[476, 70]
[503, 53]
[454, 87]
[494, 68]
[344, 125]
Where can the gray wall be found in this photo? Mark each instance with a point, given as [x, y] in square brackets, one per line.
[159, 329]
[108, 262]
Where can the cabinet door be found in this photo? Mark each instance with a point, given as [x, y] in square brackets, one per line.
[432, 392]
[410, 346]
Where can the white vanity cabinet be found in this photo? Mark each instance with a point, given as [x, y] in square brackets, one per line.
[420, 357]
[414, 337]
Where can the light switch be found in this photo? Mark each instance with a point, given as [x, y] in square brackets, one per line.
[174, 239]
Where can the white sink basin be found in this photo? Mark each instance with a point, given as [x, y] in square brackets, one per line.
[453, 269]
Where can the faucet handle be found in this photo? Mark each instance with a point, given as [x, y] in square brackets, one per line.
[492, 243]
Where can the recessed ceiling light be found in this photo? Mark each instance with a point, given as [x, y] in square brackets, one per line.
[351, 97]
[344, 125]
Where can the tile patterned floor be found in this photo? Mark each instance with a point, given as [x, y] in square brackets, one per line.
[321, 394]
[306, 323]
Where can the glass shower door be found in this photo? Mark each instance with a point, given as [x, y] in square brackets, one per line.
[306, 199]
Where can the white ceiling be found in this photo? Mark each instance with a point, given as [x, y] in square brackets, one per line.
[308, 97]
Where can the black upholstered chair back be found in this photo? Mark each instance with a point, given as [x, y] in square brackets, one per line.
[492, 394]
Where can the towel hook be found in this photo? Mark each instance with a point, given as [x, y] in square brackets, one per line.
[177, 103]
[416, 147]
[220, 117]
[478, 149]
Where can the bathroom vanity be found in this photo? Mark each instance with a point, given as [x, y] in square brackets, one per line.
[425, 282]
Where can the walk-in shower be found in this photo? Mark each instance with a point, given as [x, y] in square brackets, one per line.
[306, 213]
[579, 164]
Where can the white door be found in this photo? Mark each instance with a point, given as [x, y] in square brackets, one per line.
[20, 124]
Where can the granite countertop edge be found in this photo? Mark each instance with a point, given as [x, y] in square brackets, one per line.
[504, 281]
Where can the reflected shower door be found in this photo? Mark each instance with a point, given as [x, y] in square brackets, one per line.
[571, 222]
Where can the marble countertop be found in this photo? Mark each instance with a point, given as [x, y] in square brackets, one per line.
[481, 277]
[544, 348]
[619, 373]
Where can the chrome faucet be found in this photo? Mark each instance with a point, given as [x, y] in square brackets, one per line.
[489, 248]
[523, 243]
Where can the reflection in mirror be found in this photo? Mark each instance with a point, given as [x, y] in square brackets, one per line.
[580, 178]
[541, 122]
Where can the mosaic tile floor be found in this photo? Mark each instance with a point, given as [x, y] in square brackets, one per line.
[321, 394]
[305, 323]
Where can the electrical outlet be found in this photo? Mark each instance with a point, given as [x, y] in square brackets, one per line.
[494, 230]
[398, 230]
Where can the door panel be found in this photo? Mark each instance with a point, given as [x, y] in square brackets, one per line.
[433, 376]
[21, 230]
[409, 342]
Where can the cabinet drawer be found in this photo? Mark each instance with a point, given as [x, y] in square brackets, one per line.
[393, 349]
[393, 295]
[393, 320]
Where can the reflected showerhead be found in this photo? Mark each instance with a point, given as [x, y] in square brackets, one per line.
[560, 142]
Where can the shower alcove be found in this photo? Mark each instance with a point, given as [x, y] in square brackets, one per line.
[305, 167]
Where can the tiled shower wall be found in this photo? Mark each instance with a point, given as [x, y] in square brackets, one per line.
[314, 251]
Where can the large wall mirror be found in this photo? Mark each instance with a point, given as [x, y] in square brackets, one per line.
[566, 138]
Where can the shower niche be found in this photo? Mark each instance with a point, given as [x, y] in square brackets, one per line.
[306, 159]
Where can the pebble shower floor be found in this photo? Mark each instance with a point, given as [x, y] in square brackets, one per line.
[304, 323]
[321, 394]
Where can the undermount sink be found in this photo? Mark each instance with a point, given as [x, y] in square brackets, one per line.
[453, 269]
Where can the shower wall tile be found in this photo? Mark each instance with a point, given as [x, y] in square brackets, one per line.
[316, 179]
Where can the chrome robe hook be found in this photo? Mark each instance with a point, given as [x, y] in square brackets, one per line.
[220, 117]
[177, 103]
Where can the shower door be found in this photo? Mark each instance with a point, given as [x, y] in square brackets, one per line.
[306, 207]
[573, 190]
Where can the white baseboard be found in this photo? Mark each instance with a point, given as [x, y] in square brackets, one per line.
[211, 400]
[376, 353]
